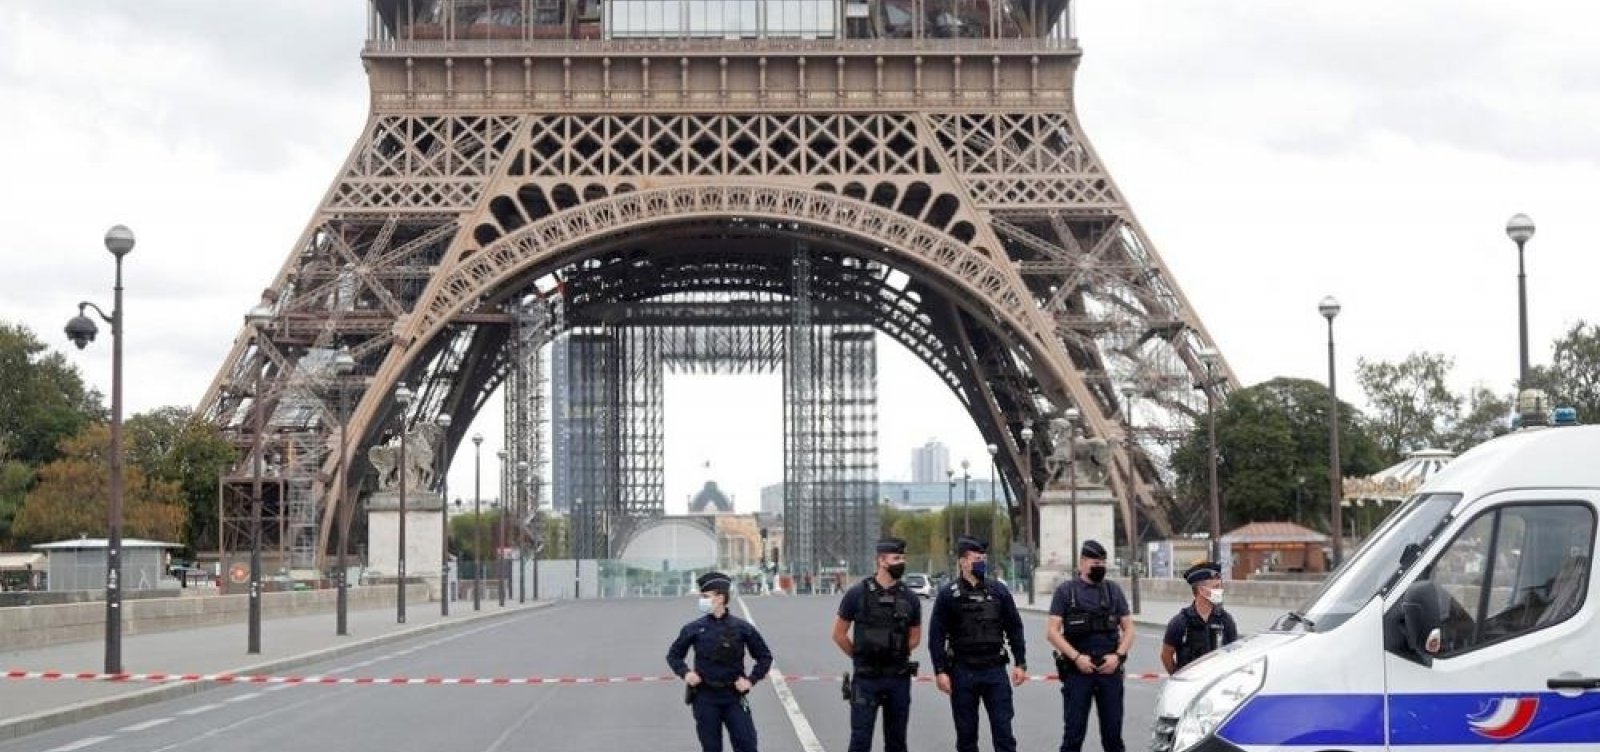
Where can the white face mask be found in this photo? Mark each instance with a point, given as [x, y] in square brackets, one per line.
[705, 604]
[1215, 596]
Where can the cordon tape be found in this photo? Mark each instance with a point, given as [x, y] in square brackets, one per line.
[425, 680]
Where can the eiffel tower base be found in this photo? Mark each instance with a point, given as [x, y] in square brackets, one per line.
[1058, 552]
[423, 545]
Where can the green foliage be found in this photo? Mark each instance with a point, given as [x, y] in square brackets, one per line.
[930, 535]
[171, 446]
[43, 400]
[1486, 416]
[71, 497]
[15, 480]
[1272, 454]
[1411, 406]
[1573, 377]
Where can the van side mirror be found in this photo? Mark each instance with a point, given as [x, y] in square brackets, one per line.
[1420, 619]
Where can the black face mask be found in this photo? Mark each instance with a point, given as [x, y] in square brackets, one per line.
[897, 570]
[1097, 573]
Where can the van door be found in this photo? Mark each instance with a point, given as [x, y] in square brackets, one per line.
[1520, 612]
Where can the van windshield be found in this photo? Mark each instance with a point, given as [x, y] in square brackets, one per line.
[1381, 559]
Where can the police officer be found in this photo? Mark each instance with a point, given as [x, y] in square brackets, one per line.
[718, 684]
[974, 619]
[1202, 626]
[879, 624]
[1091, 628]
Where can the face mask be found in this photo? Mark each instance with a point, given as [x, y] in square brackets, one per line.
[979, 569]
[1215, 596]
[1097, 573]
[897, 570]
[705, 604]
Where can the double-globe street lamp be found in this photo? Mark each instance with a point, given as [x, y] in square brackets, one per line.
[443, 421]
[1520, 229]
[81, 330]
[1329, 308]
[402, 397]
[966, 499]
[1028, 545]
[994, 505]
[344, 364]
[1134, 549]
[477, 521]
[1208, 358]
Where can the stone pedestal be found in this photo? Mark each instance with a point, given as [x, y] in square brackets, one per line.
[1058, 550]
[423, 543]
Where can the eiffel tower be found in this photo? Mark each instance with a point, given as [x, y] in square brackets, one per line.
[521, 154]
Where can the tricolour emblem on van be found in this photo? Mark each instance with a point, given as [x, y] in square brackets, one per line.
[1504, 718]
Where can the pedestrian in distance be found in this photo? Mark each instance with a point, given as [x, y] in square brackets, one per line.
[718, 688]
[974, 620]
[1201, 626]
[1091, 629]
[878, 625]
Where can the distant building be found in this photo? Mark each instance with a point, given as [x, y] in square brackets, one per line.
[930, 463]
[710, 499]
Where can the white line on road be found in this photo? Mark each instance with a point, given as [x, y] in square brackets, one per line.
[146, 726]
[201, 709]
[797, 717]
[244, 697]
[80, 744]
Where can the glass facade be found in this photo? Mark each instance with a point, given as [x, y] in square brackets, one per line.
[722, 19]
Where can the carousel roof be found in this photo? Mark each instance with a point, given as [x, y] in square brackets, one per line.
[1395, 483]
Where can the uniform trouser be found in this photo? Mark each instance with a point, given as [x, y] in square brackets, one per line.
[718, 708]
[992, 686]
[893, 694]
[1077, 690]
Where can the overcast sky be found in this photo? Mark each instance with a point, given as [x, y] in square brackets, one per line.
[1275, 152]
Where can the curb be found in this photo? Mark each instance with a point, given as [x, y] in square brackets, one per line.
[43, 721]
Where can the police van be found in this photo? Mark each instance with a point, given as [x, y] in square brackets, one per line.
[1470, 618]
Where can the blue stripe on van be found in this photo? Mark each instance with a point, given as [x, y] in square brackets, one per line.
[1419, 719]
[1307, 719]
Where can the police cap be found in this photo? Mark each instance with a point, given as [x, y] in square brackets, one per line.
[1092, 550]
[891, 546]
[1205, 570]
[713, 581]
[967, 543]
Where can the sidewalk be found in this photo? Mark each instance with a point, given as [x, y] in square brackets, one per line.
[1155, 614]
[31, 705]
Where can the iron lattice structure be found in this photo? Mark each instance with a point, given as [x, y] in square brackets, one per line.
[519, 148]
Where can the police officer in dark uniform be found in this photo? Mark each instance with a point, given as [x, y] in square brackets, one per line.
[974, 619]
[718, 685]
[1091, 629]
[1202, 626]
[879, 624]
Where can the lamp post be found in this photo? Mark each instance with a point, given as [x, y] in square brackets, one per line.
[950, 517]
[1134, 549]
[522, 513]
[1027, 506]
[966, 499]
[994, 505]
[81, 330]
[343, 365]
[443, 421]
[477, 521]
[1329, 308]
[1520, 229]
[1072, 473]
[1208, 357]
[402, 397]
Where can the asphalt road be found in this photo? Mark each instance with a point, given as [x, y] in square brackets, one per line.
[577, 639]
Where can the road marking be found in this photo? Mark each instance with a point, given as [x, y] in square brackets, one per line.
[146, 726]
[201, 709]
[244, 697]
[80, 744]
[797, 717]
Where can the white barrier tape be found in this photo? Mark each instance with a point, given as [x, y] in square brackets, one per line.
[426, 680]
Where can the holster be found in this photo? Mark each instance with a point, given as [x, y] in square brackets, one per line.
[689, 694]
[847, 689]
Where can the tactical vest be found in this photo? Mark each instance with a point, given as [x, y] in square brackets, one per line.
[1079, 622]
[883, 626]
[1199, 638]
[976, 632]
[729, 650]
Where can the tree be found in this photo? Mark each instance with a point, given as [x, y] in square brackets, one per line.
[15, 479]
[171, 446]
[1487, 415]
[70, 499]
[1272, 454]
[43, 400]
[1412, 408]
[1574, 372]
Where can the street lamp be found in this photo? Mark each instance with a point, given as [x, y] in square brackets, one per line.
[1520, 229]
[343, 365]
[499, 532]
[966, 498]
[402, 397]
[443, 421]
[477, 521]
[1329, 308]
[950, 517]
[81, 330]
[1072, 472]
[1209, 357]
[1134, 548]
[1027, 506]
